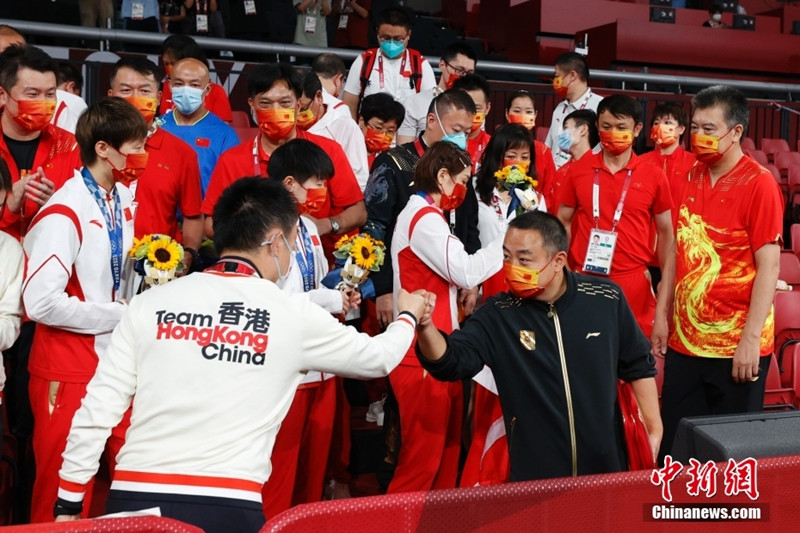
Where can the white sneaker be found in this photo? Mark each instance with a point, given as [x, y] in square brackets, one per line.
[375, 412]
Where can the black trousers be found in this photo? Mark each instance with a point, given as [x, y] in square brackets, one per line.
[213, 515]
[702, 386]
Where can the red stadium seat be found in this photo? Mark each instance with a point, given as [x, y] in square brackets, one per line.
[240, 119]
[135, 524]
[246, 134]
[783, 160]
[790, 268]
[776, 393]
[771, 146]
[788, 361]
[795, 236]
[759, 156]
[787, 323]
[777, 173]
[748, 144]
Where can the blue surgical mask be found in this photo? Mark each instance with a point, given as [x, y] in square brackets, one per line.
[392, 49]
[459, 139]
[187, 99]
[565, 141]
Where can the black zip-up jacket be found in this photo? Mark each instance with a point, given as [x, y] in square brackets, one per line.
[602, 343]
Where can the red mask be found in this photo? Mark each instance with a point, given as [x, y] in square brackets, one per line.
[526, 119]
[306, 118]
[524, 282]
[276, 124]
[477, 122]
[559, 88]
[449, 202]
[524, 166]
[616, 142]
[33, 115]
[664, 135]
[133, 169]
[450, 81]
[377, 141]
[706, 147]
[315, 199]
[145, 105]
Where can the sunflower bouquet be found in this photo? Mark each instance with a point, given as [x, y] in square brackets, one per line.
[158, 258]
[513, 179]
[361, 255]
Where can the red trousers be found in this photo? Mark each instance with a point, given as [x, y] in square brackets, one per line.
[50, 432]
[487, 460]
[638, 291]
[303, 439]
[430, 430]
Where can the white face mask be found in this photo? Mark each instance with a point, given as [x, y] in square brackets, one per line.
[282, 278]
[716, 17]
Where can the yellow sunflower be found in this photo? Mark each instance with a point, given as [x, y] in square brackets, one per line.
[362, 252]
[342, 241]
[140, 244]
[165, 254]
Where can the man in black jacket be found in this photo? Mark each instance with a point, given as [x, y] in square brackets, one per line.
[557, 344]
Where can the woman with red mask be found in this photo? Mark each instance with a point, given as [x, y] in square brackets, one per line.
[426, 255]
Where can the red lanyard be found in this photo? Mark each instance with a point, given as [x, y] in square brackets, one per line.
[596, 199]
[380, 66]
[256, 162]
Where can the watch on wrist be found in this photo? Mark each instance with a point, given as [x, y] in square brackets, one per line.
[335, 227]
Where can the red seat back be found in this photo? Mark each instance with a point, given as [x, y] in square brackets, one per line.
[748, 144]
[783, 160]
[759, 156]
[790, 268]
[240, 119]
[770, 146]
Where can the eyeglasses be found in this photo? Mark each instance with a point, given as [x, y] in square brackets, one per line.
[458, 71]
[382, 129]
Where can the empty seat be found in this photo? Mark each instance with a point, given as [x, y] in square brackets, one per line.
[783, 160]
[790, 268]
[240, 119]
[787, 324]
[771, 146]
[776, 393]
[748, 144]
[759, 156]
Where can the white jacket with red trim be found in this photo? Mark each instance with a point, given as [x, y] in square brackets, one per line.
[214, 360]
[69, 287]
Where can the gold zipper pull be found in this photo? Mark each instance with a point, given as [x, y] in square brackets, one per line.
[551, 311]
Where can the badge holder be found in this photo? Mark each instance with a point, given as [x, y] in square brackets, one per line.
[600, 252]
[249, 7]
[202, 23]
[343, 22]
[137, 11]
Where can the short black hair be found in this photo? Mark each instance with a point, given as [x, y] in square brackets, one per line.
[674, 109]
[328, 65]
[459, 47]
[181, 46]
[621, 105]
[17, 57]
[139, 64]
[440, 155]
[248, 210]
[264, 76]
[554, 235]
[473, 82]
[300, 159]
[452, 98]
[585, 117]
[734, 104]
[569, 61]
[522, 93]
[383, 106]
[311, 84]
[394, 17]
[112, 120]
[68, 71]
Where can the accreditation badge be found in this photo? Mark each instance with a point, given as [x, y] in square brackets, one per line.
[137, 12]
[343, 22]
[311, 24]
[600, 252]
[202, 23]
[249, 7]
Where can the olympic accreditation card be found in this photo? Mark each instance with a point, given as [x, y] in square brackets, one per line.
[600, 252]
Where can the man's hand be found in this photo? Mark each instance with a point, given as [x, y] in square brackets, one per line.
[38, 188]
[467, 299]
[414, 302]
[430, 303]
[659, 337]
[745, 360]
[385, 309]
